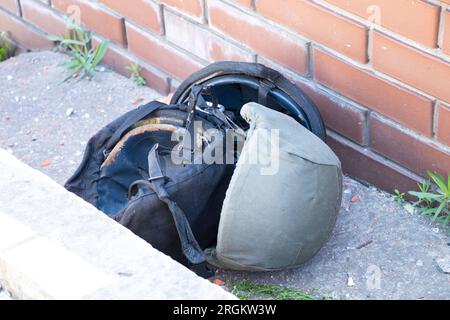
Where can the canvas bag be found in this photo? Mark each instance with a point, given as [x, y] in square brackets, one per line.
[127, 172]
[271, 222]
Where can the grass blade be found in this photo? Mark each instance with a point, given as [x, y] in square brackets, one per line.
[439, 180]
[439, 210]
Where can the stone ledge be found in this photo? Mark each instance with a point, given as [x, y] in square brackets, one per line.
[54, 245]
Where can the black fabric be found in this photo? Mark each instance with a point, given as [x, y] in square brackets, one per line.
[129, 165]
[157, 206]
[131, 119]
[176, 208]
[263, 92]
[189, 244]
[84, 181]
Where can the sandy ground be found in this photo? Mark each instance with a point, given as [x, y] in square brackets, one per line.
[378, 250]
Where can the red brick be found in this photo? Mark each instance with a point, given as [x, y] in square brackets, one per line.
[143, 12]
[23, 33]
[155, 80]
[202, 42]
[370, 168]
[10, 5]
[259, 36]
[244, 3]
[319, 24]
[382, 96]
[156, 52]
[43, 17]
[120, 61]
[443, 132]
[446, 44]
[96, 18]
[191, 7]
[412, 66]
[411, 151]
[414, 19]
[338, 114]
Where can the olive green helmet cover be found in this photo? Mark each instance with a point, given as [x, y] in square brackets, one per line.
[283, 199]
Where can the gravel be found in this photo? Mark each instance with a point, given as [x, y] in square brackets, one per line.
[379, 249]
[46, 123]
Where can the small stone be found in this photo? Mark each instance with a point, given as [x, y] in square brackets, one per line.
[409, 207]
[356, 198]
[45, 163]
[69, 112]
[347, 191]
[87, 116]
[435, 230]
[219, 282]
[9, 78]
[444, 264]
[350, 282]
[34, 138]
[136, 101]
[419, 263]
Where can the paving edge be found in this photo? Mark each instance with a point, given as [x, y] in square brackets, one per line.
[54, 245]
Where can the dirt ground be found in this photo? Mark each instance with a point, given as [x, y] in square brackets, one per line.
[379, 250]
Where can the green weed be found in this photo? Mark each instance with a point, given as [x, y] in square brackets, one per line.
[3, 54]
[246, 290]
[398, 196]
[7, 47]
[84, 57]
[434, 198]
[136, 75]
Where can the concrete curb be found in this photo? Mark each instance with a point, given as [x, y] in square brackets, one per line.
[54, 245]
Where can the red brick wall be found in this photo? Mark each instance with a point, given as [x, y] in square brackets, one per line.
[379, 70]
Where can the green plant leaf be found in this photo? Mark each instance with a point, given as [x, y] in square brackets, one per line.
[424, 186]
[439, 210]
[427, 211]
[247, 290]
[448, 182]
[425, 195]
[100, 52]
[3, 54]
[439, 180]
[447, 220]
